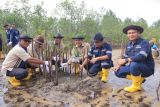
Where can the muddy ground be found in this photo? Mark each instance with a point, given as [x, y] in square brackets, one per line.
[73, 91]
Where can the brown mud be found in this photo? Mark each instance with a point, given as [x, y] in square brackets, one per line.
[73, 91]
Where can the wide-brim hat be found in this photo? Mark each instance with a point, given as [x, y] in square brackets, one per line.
[58, 35]
[25, 37]
[78, 37]
[134, 27]
[39, 39]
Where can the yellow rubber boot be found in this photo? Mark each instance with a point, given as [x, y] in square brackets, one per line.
[136, 84]
[30, 73]
[13, 81]
[100, 74]
[104, 75]
[128, 77]
[142, 80]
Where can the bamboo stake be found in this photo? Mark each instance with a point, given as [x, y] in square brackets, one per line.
[44, 68]
[50, 66]
[56, 70]
[34, 72]
[87, 67]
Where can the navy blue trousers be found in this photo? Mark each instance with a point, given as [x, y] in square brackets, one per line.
[19, 72]
[93, 69]
[136, 69]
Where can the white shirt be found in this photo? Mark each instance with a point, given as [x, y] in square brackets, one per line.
[15, 55]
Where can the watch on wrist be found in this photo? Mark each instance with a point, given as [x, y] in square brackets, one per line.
[126, 60]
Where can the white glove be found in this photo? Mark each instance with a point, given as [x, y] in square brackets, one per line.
[46, 63]
[9, 44]
[47, 69]
[16, 37]
[63, 65]
[75, 59]
[54, 58]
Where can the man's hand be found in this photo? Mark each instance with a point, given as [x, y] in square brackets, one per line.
[93, 60]
[129, 60]
[46, 63]
[121, 62]
[9, 44]
[55, 58]
[81, 67]
[116, 68]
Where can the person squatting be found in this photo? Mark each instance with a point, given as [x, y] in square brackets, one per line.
[135, 65]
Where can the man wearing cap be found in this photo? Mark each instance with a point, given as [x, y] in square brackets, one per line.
[14, 65]
[79, 51]
[137, 62]
[7, 29]
[14, 35]
[99, 57]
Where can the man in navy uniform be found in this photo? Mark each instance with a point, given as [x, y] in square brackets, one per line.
[137, 62]
[7, 29]
[14, 35]
[99, 58]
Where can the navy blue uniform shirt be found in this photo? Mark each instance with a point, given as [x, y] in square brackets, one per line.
[139, 51]
[106, 49]
[8, 35]
[14, 36]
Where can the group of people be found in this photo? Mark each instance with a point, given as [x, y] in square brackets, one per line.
[12, 34]
[135, 65]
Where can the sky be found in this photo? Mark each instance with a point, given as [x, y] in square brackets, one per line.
[134, 9]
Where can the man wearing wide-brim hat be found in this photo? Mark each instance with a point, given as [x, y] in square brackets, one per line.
[58, 49]
[79, 50]
[35, 49]
[137, 62]
[57, 40]
[80, 47]
[37, 46]
[14, 65]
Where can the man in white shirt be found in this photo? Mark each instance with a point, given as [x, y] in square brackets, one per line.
[14, 65]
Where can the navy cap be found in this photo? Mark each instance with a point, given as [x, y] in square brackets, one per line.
[58, 35]
[98, 37]
[78, 37]
[24, 37]
[134, 27]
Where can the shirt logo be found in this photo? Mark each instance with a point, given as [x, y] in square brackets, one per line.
[95, 51]
[138, 46]
[128, 47]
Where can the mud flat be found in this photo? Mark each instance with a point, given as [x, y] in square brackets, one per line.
[86, 92]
